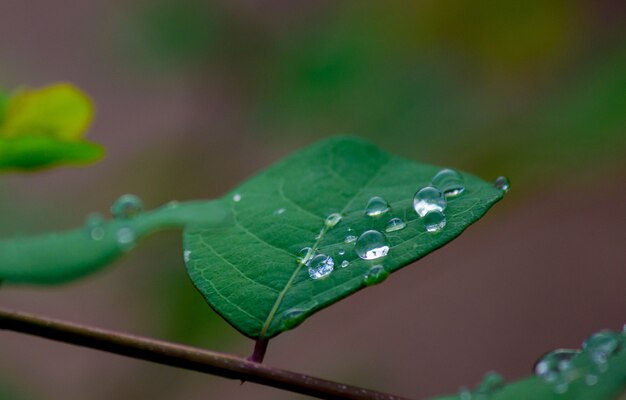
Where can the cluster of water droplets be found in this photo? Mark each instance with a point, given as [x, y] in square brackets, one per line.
[562, 367]
[430, 202]
[491, 383]
[125, 208]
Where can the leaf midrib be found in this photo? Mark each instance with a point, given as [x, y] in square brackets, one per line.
[288, 285]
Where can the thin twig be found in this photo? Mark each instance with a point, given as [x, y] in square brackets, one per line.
[187, 357]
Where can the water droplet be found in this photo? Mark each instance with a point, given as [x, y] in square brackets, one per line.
[186, 255]
[434, 221]
[345, 263]
[371, 245]
[465, 394]
[125, 238]
[376, 206]
[429, 199]
[293, 317]
[490, 383]
[280, 211]
[395, 224]
[350, 239]
[126, 206]
[236, 197]
[341, 252]
[94, 226]
[502, 183]
[602, 345]
[591, 379]
[449, 182]
[173, 204]
[551, 367]
[320, 266]
[375, 275]
[333, 219]
[304, 255]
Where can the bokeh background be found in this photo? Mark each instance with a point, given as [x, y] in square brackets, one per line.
[194, 96]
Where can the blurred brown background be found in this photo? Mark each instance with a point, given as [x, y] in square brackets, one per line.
[194, 96]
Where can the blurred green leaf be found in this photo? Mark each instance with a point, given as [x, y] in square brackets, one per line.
[59, 111]
[44, 127]
[249, 272]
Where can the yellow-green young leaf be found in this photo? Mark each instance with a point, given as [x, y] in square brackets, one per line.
[32, 152]
[60, 111]
[258, 273]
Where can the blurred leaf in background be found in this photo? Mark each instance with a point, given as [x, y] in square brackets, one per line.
[44, 127]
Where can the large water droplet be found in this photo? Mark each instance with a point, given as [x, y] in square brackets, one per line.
[395, 224]
[126, 206]
[553, 365]
[125, 238]
[375, 275]
[429, 199]
[601, 345]
[332, 220]
[320, 266]
[350, 239]
[502, 183]
[94, 226]
[371, 245]
[434, 221]
[449, 182]
[376, 206]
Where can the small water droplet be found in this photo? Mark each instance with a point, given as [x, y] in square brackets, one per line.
[173, 204]
[429, 199]
[126, 206]
[376, 206]
[304, 255]
[449, 181]
[601, 345]
[341, 252]
[395, 224]
[320, 266]
[591, 379]
[551, 367]
[332, 220]
[491, 383]
[375, 275]
[371, 245]
[350, 239]
[434, 221]
[293, 317]
[125, 238]
[465, 394]
[502, 183]
[345, 263]
[280, 211]
[236, 197]
[94, 226]
[186, 255]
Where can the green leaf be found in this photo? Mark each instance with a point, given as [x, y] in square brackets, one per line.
[59, 111]
[32, 152]
[44, 127]
[248, 271]
[584, 380]
[65, 256]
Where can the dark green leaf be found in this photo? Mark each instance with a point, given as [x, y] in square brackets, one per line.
[249, 273]
[32, 152]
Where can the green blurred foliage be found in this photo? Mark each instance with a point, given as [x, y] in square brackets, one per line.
[44, 127]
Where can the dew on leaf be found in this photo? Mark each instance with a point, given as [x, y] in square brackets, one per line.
[375, 275]
[502, 183]
[350, 239]
[94, 226]
[186, 255]
[449, 181]
[376, 206]
[601, 345]
[551, 367]
[320, 266]
[371, 245]
[341, 252]
[429, 199]
[395, 224]
[125, 238]
[126, 206]
[332, 220]
[280, 211]
[434, 221]
[345, 263]
[304, 255]
[236, 197]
